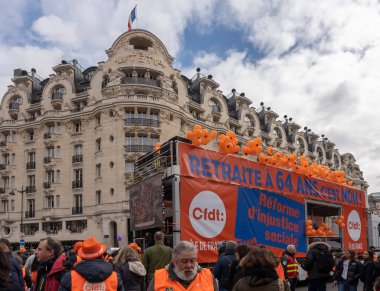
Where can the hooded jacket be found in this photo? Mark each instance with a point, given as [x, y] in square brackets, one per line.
[222, 268]
[310, 264]
[93, 271]
[260, 279]
[133, 275]
[355, 269]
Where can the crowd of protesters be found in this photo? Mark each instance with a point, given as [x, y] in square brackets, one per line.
[239, 267]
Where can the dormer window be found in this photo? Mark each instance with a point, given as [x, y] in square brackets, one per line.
[58, 93]
[15, 102]
[249, 121]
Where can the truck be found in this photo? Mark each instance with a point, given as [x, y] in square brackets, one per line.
[205, 197]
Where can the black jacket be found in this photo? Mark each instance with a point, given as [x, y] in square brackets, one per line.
[354, 271]
[93, 271]
[132, 281]
[367, 275]
[310, 264]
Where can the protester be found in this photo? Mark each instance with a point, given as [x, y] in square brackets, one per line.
[156, 256]
[50, 269]
[368, 270]
[290, 265]
[136, 247]
[222, 266]
[348, 272]
[318, 263]
[15, 275]
[132, 272]
[236, 272]
[183, 272]
[8, 282]
[93, 272]
[259, 272]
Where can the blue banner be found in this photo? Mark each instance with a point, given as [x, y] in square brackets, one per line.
[271, 219]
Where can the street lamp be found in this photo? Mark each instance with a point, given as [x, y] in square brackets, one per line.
[22, 191]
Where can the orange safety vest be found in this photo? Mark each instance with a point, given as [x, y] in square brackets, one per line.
[291, 267]
[78, 283]
[203, 281]
[280, 272]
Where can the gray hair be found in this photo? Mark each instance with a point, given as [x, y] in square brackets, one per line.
[183, 246]
[291, 247]
[126, 254]
[159, 236]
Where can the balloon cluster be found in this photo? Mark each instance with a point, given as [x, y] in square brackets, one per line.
[340, 222]
[22, 250]
[322, 230]
[200, 136]
[228, 143]
[253, 147]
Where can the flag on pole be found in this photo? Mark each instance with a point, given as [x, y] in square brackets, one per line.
[132, 17]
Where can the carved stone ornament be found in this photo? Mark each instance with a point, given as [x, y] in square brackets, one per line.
[98, 221]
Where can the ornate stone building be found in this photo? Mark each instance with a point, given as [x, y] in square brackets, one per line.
[68, 142]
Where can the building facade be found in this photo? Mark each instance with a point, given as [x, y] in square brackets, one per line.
[68, 142]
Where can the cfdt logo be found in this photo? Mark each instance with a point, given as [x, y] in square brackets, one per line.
[354, 225]
[207, 214]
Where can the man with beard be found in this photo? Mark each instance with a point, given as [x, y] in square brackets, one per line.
[183, 273]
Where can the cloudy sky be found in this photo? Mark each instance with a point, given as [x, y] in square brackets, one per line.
[316, 61]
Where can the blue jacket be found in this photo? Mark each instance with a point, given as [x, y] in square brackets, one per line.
[93, 271]
[222, 267]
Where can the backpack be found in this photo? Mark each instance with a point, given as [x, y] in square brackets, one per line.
[325, 262]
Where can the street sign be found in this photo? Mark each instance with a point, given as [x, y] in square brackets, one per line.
[22, 243]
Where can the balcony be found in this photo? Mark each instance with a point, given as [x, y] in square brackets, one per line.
[57, 99]
[77, 210]
[3, 166]
[142, 121]
[30, 189]
[77, 159]
[138, 148]
[31, 165]
[48, 160]
[47, 185]
[78, 109]
[2, 190]
[30, 214]
[77, 184]
[141, 81]
[3, 143]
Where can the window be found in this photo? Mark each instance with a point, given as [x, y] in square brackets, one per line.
[154, 140]
[112, 191]
[13, 182]
[52, 227]
[78, 175]
[50, 128]
[78, 201]
[57, 200]
[129, 140]
[6, 159]
[49, 202]
[12, 205]
[76, 226]
[97, 120]
[129, 114]
[142, 114]
[78, 149]
[77, 127]
[98, 171]
[58, 93]
[4, 206]
[249, 121]
[14, 136]
[50, 152]
[154, 115]
[129, 167]
[214, 105]
[13, 161]
[31, 135]
[58, 176]
[32, 180]
[5, 182]
[32, 157]
[98, 144]
[58, 151]
[98, 197]
[30, 206]
[142, 140]
[50, 176]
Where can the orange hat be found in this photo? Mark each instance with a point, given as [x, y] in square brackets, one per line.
[77, 246]
[91, 249]
[135, 246]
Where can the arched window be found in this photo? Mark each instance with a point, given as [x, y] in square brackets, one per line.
[249, 120]
[58, 92]
[214, 105]
[300, 143]
[15, 102]
[277, 133]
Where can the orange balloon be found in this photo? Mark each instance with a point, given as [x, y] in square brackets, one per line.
[196, 127]
[309, 228]
[205, 140]
[309, 222]
[190, 135]
[313, 232]
[350, 183]
[205, 133]
[341, 217]
[213, 134]
[197, 133]
[308, 233]
[338, 222]
[197, 142]
[342, 225]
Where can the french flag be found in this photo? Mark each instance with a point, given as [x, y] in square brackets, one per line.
[132, 18]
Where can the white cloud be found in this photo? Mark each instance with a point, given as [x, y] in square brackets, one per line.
[53, 29]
